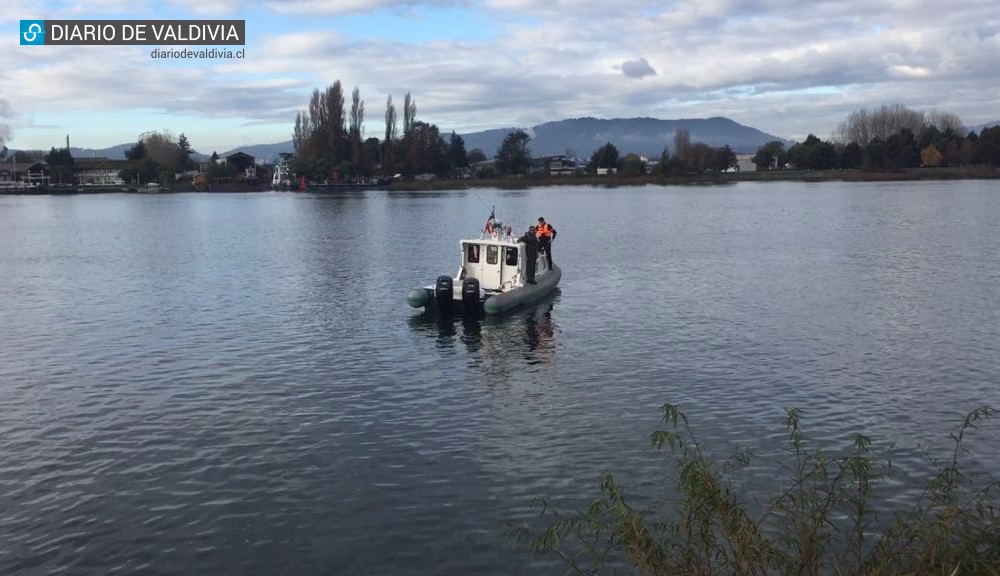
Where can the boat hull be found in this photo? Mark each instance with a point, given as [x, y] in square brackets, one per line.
[502, 303]
[494, 304]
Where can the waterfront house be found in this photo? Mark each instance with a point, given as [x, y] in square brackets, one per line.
[560, 165]
[245, 163]
[100, 171]
[29, 173]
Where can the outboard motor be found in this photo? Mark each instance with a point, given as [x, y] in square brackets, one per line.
[444, 293]
[470, 297]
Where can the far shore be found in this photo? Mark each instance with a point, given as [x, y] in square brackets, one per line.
[540, 181]
[977, 173]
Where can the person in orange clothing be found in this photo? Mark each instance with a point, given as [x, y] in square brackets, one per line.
[546, 234]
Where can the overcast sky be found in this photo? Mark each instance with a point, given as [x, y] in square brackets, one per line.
[787, 67]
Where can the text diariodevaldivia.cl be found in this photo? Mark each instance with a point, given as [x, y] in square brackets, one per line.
[206, 54]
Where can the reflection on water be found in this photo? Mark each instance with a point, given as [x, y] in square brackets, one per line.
[500, 345]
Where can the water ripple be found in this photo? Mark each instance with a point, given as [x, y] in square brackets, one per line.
[233, 383]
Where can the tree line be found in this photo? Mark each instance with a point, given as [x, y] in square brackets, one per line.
[514, 157]
[889, 138]
[330, 142]
[157, 157]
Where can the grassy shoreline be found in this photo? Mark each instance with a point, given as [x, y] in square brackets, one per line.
[544, 181]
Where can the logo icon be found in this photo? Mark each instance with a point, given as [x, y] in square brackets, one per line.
[32, 32]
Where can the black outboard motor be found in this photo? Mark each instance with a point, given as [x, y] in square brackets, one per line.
[470, 297]
[444, 293]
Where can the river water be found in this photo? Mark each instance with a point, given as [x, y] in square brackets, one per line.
[226, 383]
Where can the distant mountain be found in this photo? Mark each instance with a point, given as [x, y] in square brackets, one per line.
[117, 152]
[265, 152]
[647, 136]
[114, 152]
[978, 128]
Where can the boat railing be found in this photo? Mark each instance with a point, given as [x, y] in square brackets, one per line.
[497, 232]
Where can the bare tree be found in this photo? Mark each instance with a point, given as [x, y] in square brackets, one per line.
[335, 127]
[302, 133]
[945, 121]
[389, 143]
[409, 117]
[357, 119]
[863, 126]
[162, 149]
[682, 143]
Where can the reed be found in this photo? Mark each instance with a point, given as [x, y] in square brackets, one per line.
[822, 521]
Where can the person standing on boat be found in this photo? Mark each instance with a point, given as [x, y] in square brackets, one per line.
[530, 242]
[546, 234]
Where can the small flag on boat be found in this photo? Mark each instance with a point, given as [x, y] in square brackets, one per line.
[489, 223]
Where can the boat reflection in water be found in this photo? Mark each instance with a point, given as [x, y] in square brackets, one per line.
[505, 345]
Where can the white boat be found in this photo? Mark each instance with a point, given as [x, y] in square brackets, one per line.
[491, 279]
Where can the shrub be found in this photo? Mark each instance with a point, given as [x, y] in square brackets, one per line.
[821, 522]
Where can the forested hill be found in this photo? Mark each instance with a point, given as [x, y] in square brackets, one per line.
[649, 136]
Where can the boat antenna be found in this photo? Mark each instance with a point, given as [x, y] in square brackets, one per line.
[481, 200]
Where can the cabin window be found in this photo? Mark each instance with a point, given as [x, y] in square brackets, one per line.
[473, 253]
[492, 254]
[511, 257]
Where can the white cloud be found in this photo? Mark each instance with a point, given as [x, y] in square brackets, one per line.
[334, 7]
[785, 67]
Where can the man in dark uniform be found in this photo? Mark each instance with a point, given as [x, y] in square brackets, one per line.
[530, 254]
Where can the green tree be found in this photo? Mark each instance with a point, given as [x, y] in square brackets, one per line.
[631, 165]
[770, 156]
[457, 156]
[184, 153]
[476, 156]
[604, 157]
[851, 156]
[813, 154]
[142, 172]
[723, 159]
[429, 153]
[874, 157]
[670, 165]
[137, 151]
[371, 155]
[902, 151]
[60, 157]
[987, 147]
[60, 165]
[514, 155]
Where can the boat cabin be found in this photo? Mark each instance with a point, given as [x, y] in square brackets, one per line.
[496, 264]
